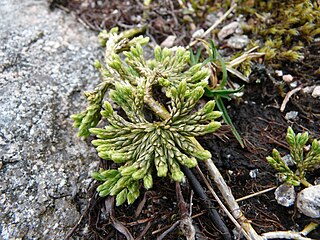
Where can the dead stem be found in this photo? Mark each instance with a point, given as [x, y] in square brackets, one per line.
[309, 228]
[256, 194]
[284, 235]
[109, 207]
[186, 226]
[213, 214]
[287, 97]
[144, 232]
[235, 222]
[164, 234]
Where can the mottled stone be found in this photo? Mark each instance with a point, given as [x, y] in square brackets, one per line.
[316, 92]
[287, 78]
[285, 195]
[238, 41]
[291, 115]
[168, 42]
[228, 30]
[308, 201]
[288, 160]
[45, 63]
[198, 33]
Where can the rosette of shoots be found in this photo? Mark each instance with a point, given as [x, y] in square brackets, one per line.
[146, 137]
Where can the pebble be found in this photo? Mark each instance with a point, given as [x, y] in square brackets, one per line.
[285, 195]
[168, 42]
[238, 94]
[198, 33]
[287, 78]
[228, 30]
[279, 73]
[291, 115]
[294, 84]
[316, 92]
[308, 201]
[211, 19]
[308, 89]
[288, 160]
[238, 41]
[254, 173]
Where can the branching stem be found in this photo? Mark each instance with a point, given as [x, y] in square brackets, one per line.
[305, 182]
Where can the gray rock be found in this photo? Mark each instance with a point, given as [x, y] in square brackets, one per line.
[294, 84]
[308, 89]
[308, 201]
[279, 73]
[288, 160]
[198, 33]
[316, 92]
[285, 195]
[228, 30]
[45, 63]
[291, 115]
[254, 173]
[168, 42]
[238, 41]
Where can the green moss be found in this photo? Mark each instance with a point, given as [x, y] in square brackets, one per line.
[281, 28]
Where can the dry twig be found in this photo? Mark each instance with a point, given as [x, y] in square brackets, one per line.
[284, 235]
[256, 194]
[287, 97]
[213, 214]
[164, 234]
[186, 226]
[109, 207]
[230, 200]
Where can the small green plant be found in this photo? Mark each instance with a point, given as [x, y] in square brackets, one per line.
[145, 146]
[304, 161]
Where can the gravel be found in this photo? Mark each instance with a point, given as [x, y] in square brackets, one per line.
[45, 64]
[228, 30]
[308, 201]
[238, 41]
[285, 195]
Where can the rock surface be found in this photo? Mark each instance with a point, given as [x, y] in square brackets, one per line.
[316, 92]
[228, 30]
[285, 195]
[238, 41]
[308, 201]
[45, 63]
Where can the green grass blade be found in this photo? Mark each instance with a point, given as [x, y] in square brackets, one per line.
[213, 49]
[222, 92]
[228, 120]
[224, 71]
[192, 58]
[198, 54]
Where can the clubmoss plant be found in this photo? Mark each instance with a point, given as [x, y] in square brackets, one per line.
[143, 147]
[304, 161]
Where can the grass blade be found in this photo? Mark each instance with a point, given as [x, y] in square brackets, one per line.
[228, 120]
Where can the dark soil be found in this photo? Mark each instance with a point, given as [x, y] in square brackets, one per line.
[256, 116]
